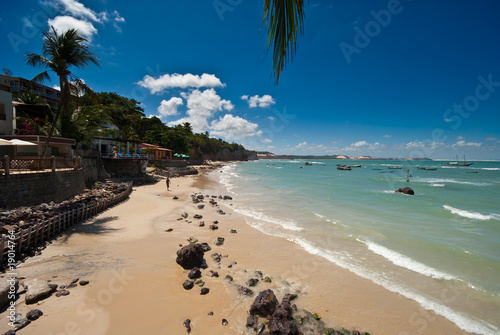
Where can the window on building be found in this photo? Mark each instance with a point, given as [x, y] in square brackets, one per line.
[2, 112]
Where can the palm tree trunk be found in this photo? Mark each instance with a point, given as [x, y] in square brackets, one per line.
[63, 104]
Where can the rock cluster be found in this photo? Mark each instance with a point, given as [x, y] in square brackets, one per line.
[24, 217]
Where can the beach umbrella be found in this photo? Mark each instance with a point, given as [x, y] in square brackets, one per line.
[184, 156]
[5, 142]
[21, 142]
[177, 155]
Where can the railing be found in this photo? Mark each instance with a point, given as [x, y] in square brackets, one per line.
[30, 165]
[15, 243]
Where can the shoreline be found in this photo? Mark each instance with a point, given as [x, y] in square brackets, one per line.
[136, 286]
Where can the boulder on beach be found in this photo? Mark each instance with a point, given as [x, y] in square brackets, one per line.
[265, 304]
[190, 256]
[406, 190]
[37, 289]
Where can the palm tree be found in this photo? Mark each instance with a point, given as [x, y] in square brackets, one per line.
[284, 23]
[60, 53]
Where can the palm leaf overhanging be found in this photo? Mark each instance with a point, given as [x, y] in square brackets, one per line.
[284, 23]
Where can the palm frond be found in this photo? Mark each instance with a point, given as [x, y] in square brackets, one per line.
[284, 23]
[41, 78]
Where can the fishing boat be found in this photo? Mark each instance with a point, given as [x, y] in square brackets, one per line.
[351, 166]
[343, 167]
[426, 168]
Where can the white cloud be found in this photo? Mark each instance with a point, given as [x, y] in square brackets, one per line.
[263, 101]
[76, 9]
[169, 107]
[176, 80]
[466, 144]
[387, 136]
[83, 17]
[234, 128]
[363, 145]
[301, 145]
[63, 23]
[201, 106]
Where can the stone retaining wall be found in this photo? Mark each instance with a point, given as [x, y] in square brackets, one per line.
[35, 188]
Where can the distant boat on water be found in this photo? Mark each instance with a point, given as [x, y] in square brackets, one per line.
[458, 164]
[351, 166]
[343, 167]
[426, 168]
[395, 167]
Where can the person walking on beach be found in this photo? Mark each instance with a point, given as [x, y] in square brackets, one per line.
[168, 184]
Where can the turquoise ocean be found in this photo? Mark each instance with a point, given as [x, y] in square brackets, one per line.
[440, 247]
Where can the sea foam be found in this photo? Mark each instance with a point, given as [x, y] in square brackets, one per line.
[407, 262]
[344, 260]
[471, 215]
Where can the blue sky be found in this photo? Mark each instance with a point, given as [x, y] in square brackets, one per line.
[380, 78]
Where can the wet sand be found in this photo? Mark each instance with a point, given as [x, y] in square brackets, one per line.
[136, 285]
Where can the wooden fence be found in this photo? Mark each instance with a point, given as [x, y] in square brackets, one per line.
[30, 165]
[24, 239]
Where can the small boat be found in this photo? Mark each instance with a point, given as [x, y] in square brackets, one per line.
[426, 168]
[307, 163]
[395, 167]
[351, 166]
[471, 171]
[343, 167]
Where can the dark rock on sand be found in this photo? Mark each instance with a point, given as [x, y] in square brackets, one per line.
[176, 198]
[62, 293]
[201, 206]
[188, 284]
[190, 256]
[227, 197]
[220, 241]
[214, 274]
[265, 304]
[252, 282]
[34, 314]
[205, 246]
[198, 216]
[185, 215]
[245, 291]
[233, 231]
[252, 322]
[194, 273]
[228, 277]
[204, 291]
[213, 227]
[406, 190]
[216, 257]
[187, 324]
[224, 322]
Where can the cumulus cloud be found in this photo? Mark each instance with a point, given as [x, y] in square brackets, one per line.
[201, 106]
[263, 101]
[466, 144]
[76, 9]
[64, 23]
[169, 107]
[75, 15]
[363, 145]
[234, 128]
[387, 136]
[167, 81]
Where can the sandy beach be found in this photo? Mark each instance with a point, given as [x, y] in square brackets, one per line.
[135, 286]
